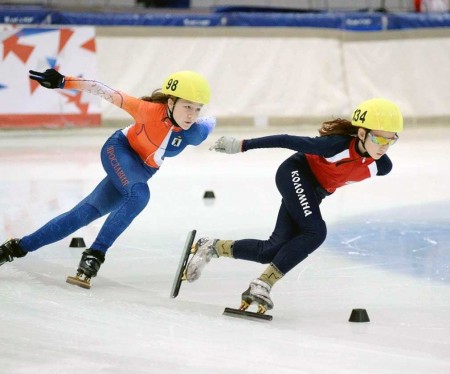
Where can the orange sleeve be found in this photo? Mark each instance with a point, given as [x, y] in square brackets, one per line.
[130, 104]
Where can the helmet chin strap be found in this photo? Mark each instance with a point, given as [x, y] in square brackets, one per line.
[170, 113]
[363, 145]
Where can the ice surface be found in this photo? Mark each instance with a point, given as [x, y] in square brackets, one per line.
[387, 251]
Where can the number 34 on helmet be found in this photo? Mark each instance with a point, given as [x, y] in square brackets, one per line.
[187, 85]
[378, 114]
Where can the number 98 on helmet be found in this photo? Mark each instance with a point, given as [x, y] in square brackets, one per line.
[187, 85]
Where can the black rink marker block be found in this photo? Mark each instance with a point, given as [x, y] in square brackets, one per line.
[359, 315]
[77, 243]
[209, 195]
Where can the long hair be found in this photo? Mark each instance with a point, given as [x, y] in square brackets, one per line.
[157, 97]
[338, 127]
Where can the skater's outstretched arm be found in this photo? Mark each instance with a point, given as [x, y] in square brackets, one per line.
[53, 79]
[324, 146]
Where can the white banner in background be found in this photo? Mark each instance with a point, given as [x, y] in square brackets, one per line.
[23, 102]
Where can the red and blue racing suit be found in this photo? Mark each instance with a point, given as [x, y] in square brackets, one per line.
[320, 166]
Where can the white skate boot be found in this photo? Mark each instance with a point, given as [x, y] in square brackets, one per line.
[204, 252]
[259, 293]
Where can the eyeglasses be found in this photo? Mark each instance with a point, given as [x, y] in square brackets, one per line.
[381, 140]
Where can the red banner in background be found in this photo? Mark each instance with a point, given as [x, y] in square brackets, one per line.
[23, 102]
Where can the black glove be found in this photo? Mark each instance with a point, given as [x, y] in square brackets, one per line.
[48, 79]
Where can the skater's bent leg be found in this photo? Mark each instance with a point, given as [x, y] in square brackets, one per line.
[263, 251]
[129, 175]
[300, 228]
[60, 227]
[298, 188]
[98, 203]
[116, 223]
[300, 247]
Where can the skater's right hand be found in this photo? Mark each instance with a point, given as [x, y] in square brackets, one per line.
[48, 79]
[227, 144]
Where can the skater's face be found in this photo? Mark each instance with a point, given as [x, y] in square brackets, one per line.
[376, 142]
[184, 112]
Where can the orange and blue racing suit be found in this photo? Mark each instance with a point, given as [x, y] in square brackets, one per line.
[130, 157]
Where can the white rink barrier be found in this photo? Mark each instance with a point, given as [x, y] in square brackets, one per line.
[259, 76]
[262, 76]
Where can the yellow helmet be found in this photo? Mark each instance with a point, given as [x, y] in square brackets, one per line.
[188, 85]
[378, 114]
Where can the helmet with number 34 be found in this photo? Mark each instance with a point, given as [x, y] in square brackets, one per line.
[378, 114]
[187, 85]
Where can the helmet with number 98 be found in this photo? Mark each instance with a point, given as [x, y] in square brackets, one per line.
[378, 114]
[187, 85]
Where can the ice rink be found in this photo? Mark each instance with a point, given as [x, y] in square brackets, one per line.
[387, 251]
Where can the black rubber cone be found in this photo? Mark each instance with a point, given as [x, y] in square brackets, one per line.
[209, 195]
[77, 243]
[359, 315]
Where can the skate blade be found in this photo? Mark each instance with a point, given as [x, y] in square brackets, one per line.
[77, 281]
[239, 313]
[193, 251]
[180, 275]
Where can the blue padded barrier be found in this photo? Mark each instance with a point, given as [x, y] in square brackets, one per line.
[348, 21]
[140, 19]
[329, 20]
[399, 21]
[28, 15]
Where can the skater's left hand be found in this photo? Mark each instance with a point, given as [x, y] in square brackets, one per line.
[48, 79]
[227, 144]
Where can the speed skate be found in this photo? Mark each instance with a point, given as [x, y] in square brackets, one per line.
[246, 301]
[78, 280]
[180, 275]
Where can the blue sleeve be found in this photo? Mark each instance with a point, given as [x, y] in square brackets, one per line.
[200, 130]
[384, 165]
[326, 146]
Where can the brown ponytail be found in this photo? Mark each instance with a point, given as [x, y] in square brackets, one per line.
[338, 127]
[157, 97]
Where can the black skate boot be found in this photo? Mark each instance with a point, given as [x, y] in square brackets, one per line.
[9, 250]
[90, 263]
